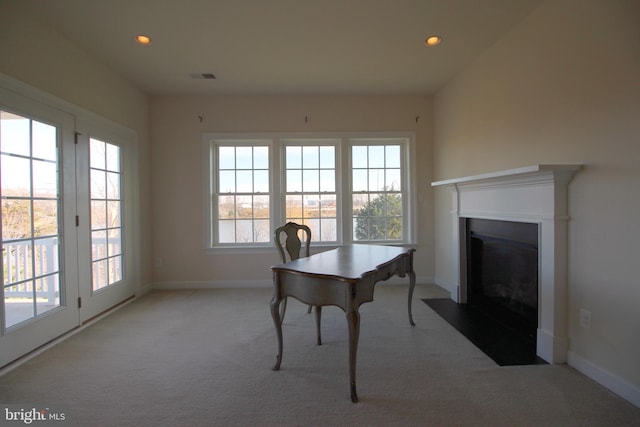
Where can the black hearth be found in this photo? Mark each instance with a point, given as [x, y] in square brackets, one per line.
[502, 272]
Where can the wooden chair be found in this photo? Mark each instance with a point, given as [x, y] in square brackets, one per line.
[293, 242]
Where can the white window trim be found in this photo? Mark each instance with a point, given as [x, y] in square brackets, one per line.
[343, 189]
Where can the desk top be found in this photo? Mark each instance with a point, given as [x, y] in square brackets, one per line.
[347, 263]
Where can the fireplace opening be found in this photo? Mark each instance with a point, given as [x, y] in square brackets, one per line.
[502, 272]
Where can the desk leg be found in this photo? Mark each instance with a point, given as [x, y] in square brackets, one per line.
[275, 313]
[412, 285]
[318, 321]
[353, 320]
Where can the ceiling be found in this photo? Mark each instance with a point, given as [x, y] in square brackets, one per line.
[285, 46]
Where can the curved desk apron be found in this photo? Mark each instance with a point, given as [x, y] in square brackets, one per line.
[344, 277]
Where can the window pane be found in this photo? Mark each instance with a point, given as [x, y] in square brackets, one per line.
[392, 157]
[115, 269]
[46, 255]
[359, 157]
[262, 230]
[115, 242]
[45, 217]
[261, 157]
[329, 230]
[244, 231]
[113, 214]
[98, 184]
[98, 214]
[16, 176]
[311, 208]
[310, 157]
[16, 219]
[14, 134]
[360, 180]
[47, 293]
[328, 180]
[261, 181]
[45, 179]
[244, 207]
[328, 205]
[97, 152]
[226, 207]
[244, 157]
[393, 180]
[226, 231]
[327, 158]
[227, 182]
[113, 185]
[100, 269]
[113, 158]
[294, 181]
[294, 206]
[44, 141]
[294, 157]
[261, 207]
[244, 181]
[226, 158]
[98, 244]
[376, 156]
[310, 181]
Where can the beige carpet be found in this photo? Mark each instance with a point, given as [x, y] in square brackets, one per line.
[204, 358]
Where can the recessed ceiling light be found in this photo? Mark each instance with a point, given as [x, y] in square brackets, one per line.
[433, 40]
[143, 40]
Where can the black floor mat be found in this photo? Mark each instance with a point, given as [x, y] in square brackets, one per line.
[505, 346]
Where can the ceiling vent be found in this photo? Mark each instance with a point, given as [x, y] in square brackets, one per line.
[207, 76]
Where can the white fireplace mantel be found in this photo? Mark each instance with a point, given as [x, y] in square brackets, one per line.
[534, 194]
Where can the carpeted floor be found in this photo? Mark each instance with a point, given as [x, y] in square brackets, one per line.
[204, 358]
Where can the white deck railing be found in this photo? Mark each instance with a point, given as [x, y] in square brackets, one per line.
[19, 265]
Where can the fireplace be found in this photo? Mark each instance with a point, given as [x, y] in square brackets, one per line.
[537, 195]
[502, 272]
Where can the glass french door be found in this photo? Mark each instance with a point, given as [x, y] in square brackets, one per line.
[38, 229]
[67, 217]
[105, 223]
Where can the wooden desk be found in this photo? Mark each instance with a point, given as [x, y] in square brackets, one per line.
[345, 277]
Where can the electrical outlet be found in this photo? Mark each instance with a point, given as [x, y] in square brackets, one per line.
[585, 318]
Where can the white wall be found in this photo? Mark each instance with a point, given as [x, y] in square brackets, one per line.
[177, 172]
[35, 54]
[562, 87]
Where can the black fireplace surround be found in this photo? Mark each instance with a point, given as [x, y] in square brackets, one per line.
[502, 272]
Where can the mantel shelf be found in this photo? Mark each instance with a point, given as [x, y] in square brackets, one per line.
[510, 173]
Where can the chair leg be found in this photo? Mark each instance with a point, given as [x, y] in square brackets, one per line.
[283, 309]
[318, 317]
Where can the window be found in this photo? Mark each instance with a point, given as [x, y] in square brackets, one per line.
[346, 188]
[106, 213]
[30, 217]
[377, 191]
[310, 187]
[242, 203]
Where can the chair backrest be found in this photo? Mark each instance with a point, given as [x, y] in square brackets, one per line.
[295, 236]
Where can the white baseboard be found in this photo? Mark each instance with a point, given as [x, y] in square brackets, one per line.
[264, 283]
[449, 287]
[619, 386]
[216, 284]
